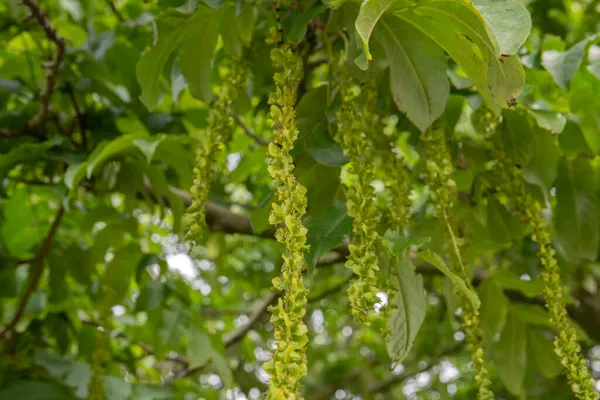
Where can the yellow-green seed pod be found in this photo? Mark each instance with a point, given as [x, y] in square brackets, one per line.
[218, 132]
[443, 193]
[566, 346]
[354, 123]
[288, 364]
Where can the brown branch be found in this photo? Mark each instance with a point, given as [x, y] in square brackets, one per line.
[52, 67]
[81, 116]
[115, 10]
[36, 123]
[37, 267]
[248, 131]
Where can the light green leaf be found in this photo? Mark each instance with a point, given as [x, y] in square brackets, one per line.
[550, 120]
[370, 12]
[584, 102]
[508, 21]
[418, 78]
[408, 316]
[327, 231]
[148, 147]
[577, 211]
[572, 141]
[531, 314]
[153, 62]
[116, 388]
[116, 147]
[436, 261]
[563, 65]
[120, 271]
[198, 43]
[511, 354]
[494, 307]
[232, 41]
[24, 153]
[498, 222]
[199, 349]
[509, 280]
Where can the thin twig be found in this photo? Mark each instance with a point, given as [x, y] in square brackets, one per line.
[52, 67]
[37, 267]
[249, 132]
[81, 116]
[115, 11]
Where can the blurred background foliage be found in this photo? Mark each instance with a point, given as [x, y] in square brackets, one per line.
[94, 194]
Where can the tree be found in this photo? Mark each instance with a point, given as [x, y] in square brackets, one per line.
[299, 199]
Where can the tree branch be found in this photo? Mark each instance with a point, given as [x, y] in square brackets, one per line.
[37, 267]
[249, 132]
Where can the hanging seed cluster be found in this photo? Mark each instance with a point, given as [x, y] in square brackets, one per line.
[565, 343]
[360, 201]
[218, 133]
[288, 365]
[443, 193]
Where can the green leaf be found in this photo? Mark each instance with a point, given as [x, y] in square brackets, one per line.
[153, 62]
[552, 121]
[370, 12]
[418, 78]
[511, 354]
[508, 21]
[199, 349]
[18, 230]
[327, 231]
[399, 245]
[120, 271]
[232, 41]
[572, 141]
[112, 149]
[562, 65]
[494, 307]
[517, 136]
[532, 314]
[152, 296]
[260, 216]
[34, 390]
[198, 43]
[542, 167]
[584, 102]
[577, 211]
[24, 153]
[148, 147]
[542, 350]
[509, 280]
[324, 149]
[299, 24]
[116, 388]
[502, 226]
[409, 314]
[436, 261]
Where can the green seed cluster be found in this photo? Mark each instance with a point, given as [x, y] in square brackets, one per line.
[443, 193]
[565, 342]
[289, 364]
[360, 201]
[218, 133]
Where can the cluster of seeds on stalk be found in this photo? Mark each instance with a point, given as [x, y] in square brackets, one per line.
[218, 133]
[566, 346]
[353, 126]
[443, 193]
[288, 364]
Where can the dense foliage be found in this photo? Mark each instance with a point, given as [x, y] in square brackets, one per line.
[231, 199]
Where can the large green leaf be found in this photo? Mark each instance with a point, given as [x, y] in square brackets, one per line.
[199, 348]
[436, 261]
[577, 211]
[418, 78]
[541, 169]
[455, 26]
[195, 36]
[517, 136]
[508, 22]
[511, 354]
[408, 316]
[327, 231]
[116, 147]
[584, 101]
[198, 44]
[120, 271]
